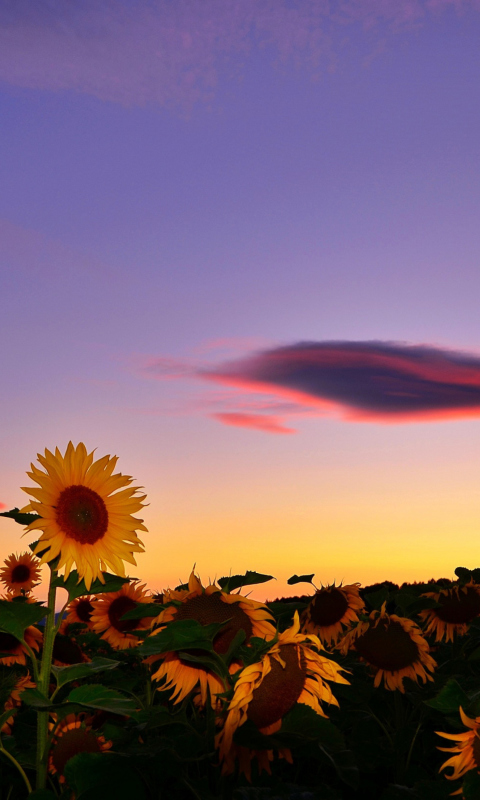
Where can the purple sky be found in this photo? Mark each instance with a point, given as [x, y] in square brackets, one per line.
[200, 182]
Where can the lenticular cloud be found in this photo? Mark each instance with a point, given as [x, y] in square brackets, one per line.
[376, 381]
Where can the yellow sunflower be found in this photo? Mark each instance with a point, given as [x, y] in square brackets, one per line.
[20, 573]
[14, 700]
[459, 605]
[467, 749]
[291, 672]
[80, 610]
[330, 610]
[84, 518]
[108, 610]
[74, 734]
[207, 605]
[13, 651]
[392, 645]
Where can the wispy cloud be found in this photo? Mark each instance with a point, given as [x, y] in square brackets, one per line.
[172, 53]
[258, 422]
[2, 506]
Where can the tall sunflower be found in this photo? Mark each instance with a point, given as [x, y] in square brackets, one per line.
[392, 645]
[291, 672]
[330, 610]
[84, 518]
[207, 605]
[459, 605]
[20, 573]
[108, 610]
[73, 735]
[467, 749]
[14, 650]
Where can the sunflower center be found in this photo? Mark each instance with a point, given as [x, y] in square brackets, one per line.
[117, 609]
[208, 608]
[20, 573]
[66, 650]
[77, 740]
[279, 690]
[8, 643]
[459, 608]
[328, 607]
[82, 514]
[387, 646]
[84, 610]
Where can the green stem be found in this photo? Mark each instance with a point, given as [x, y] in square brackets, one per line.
[44, 681]
[33, 659]
[20, 769]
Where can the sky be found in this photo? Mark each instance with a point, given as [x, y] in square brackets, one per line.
[240, 250]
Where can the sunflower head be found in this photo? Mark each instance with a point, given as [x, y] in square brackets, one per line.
[20, 573]
[107, 615]
[330, 610]
[14, 701]
[73, 735]
[459, 605]
[84, 517]
[80, 610]
[14, 651]
[391, 645]
[466, 750]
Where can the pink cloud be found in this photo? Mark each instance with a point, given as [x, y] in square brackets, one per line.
[2, 506]
[258, 422]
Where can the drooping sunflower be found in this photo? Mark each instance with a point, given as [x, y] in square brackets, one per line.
[80, 610]
[84, 518]
[108, 610]
[392, 645]
[207, 605]
[331, 609]
[14, 701]
[73, 735]
[20, 573]
[291, 672]
[15, 650]
[467, 749]
[459, 605]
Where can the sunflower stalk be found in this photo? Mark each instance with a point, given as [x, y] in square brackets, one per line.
[44, 681]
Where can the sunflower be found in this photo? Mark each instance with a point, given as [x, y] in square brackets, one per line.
[207, 605]
[74, 734]
[459, 605]
[80, 610]
[108, 610]
[14, 700]
[467, 749]
[330, 609]
[392, 645]
[291, 672]
[82, 521]
[12, 651]
[66, 651]
[20, 573]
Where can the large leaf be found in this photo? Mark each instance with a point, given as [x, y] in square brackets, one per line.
[95, 695]
[229, 584]
[97, 776]
[376, 599]
[66, 674]
[77, 588]
[15, 617]
[35, 698]
[300, 579]
[448, 700]
[303, 723]
[182, 634]
[22, 519]
[143, 610]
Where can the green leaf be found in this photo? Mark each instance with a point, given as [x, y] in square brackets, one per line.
[476, 574]
[98, 776]
[345, 766]
[301, 579]
[376, 599]
[66, 674]
[448, 700]
[143, 610]
[15, 617]
[463, 574]
[182, 634]
[228, 584]
[76, 588]
[35, 698]
[22, 519]
[94, 695]
[302, 723]
[6, 715]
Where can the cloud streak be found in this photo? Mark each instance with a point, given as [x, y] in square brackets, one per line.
[258, 422]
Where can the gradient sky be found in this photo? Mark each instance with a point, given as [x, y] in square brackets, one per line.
[231, 232]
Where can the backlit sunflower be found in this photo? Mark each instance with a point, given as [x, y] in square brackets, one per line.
[108, 610]
[66, 651]
[80, 610]
[467, 749]
[84, 518]
[207, 605]
[13, 651]
[459, 605]
[20, 573]
[14, 700]
[291, 672]
[330, 610]
[71, 736]
[392, 645]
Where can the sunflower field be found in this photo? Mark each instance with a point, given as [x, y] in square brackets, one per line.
[201, 692]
